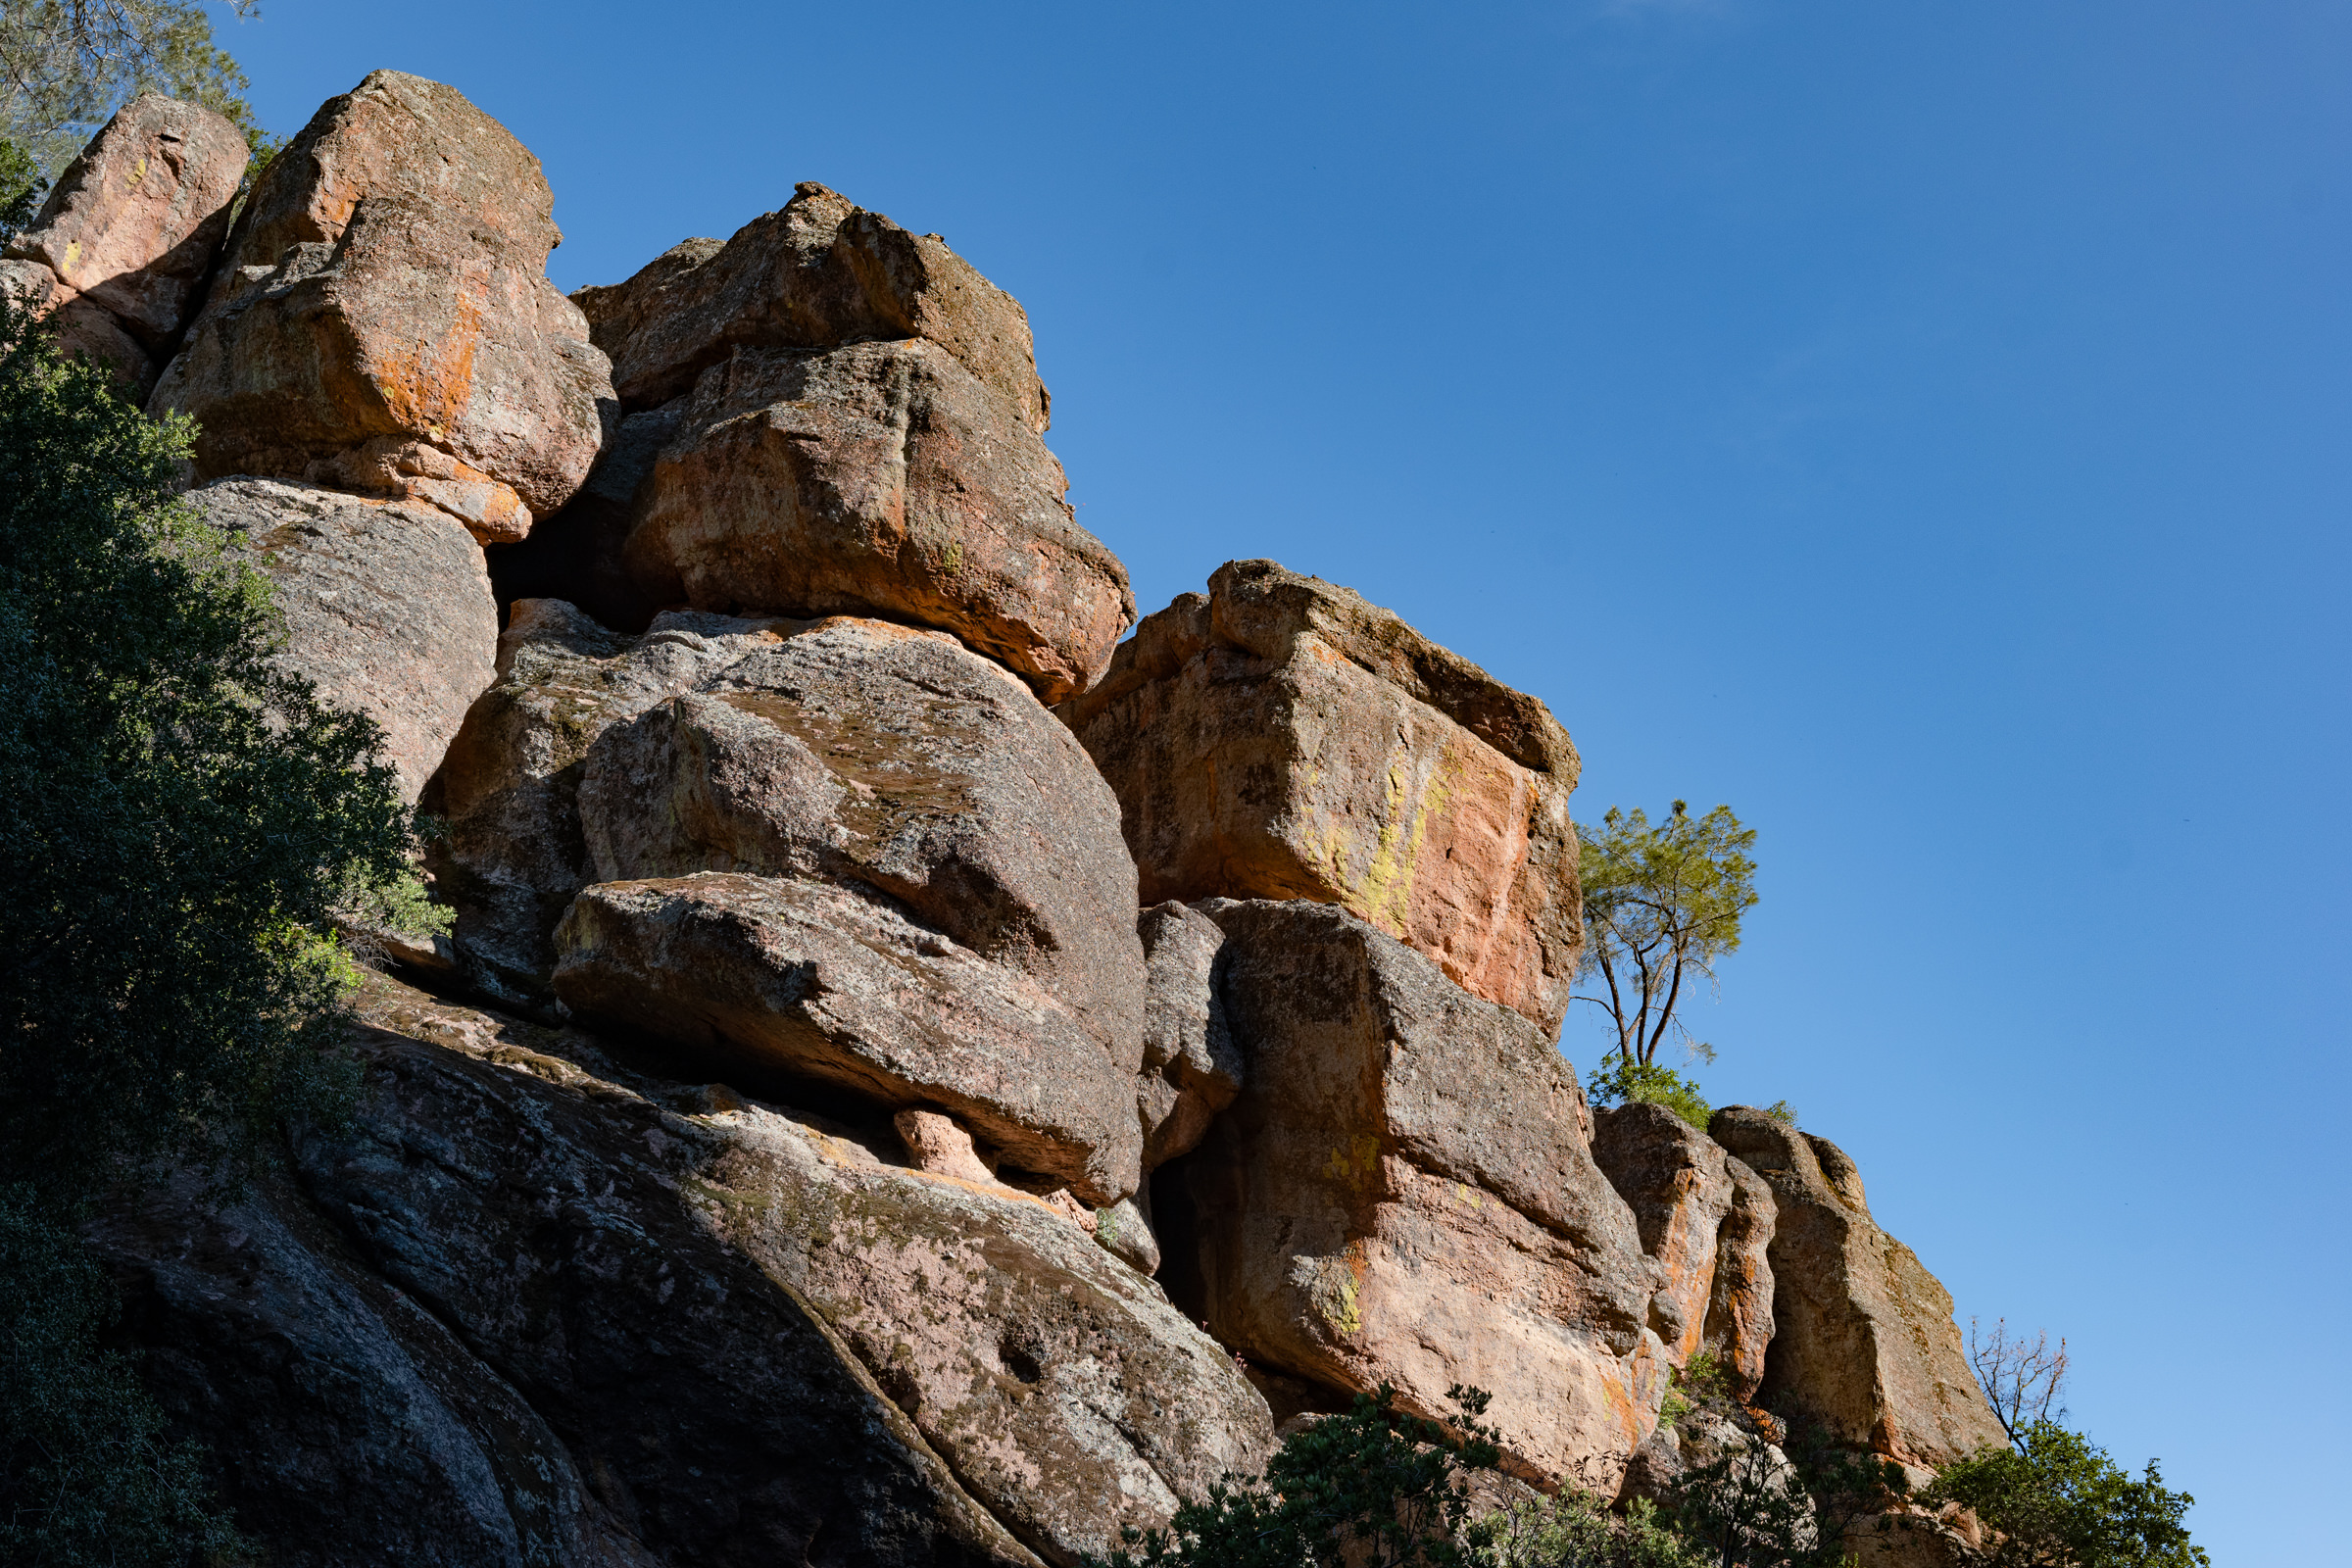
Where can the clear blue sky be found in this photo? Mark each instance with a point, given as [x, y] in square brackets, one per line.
[1923, 426]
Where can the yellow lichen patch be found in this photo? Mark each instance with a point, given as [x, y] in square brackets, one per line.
[139, 172]
[1387, 891]
[1356, 1164]
[1336, 1295]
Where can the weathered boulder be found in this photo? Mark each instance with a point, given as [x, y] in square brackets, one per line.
[1864, 1339]
[494, 1323]
[124, 244]
[862, 752]
[1403, 1193]
[1192, 1070]
[382, 318]
[1282, 739]
[513, 855]
[387, 607]
[801, 981]
[884, 479]
[1065, 1393]
[1707, 1221]
[816, 274]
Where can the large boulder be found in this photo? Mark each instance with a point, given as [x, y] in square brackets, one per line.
[1865, 1341]
[885, 478]
[494, 1322]
[127, 237]
[383, 320]
[1403, 1193]
[1706, 1218]
[1065, 1393]
[861, 753]
[387, 607]
[794, 982]
[1282, 739]
[817, 273]
[511, 855]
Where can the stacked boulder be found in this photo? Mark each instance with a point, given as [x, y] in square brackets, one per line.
[1115, 1036]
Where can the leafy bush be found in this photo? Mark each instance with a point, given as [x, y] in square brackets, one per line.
[1574, 1529]
[2060, 1503]
[1620, 1082]
[1371, 1488]
[86, 1476]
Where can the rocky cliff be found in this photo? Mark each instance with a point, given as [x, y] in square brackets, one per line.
[915, 1079]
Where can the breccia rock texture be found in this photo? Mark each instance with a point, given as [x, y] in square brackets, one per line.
[819, 272]
[1864, 1339]
[1281, 738]
[383, 320]
[803, 981]
[493, 1322]
[853, 751]
[386, 604]
[511, 855]
[1064, 1392]
[1403, 1193]
[1191, 1068]
[1708, 1219]
[123, 247]
[879, 478]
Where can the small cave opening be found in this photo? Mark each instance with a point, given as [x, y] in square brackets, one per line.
[1176, 1225]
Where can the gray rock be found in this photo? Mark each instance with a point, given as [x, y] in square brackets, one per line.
[809, 981]
[494, 1323]
[1865, 1341]
[818, 273]
[1403, 1193]
[512, 856]
[857, 751]
[387, 608]
[881, 478]
[1192, 1070]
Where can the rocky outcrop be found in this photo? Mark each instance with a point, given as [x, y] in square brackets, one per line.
[511, 855]
[1192, 1068]
[386, 604]
[1707, 1221]
[861, 753]
[1403, 1193]
[884, 479]
[383, 320]
[1065, 1393]
[124, 245]
[1281, 738]
[498, 1322]
[816, 274]
[803, 981]
[1864, 1339]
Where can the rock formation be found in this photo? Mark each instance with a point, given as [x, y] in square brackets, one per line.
[1403, 1193]
[387, 607]
[121, 249]
[1282, 739]
[1707, 1221]
[879, 477]
[1243, 967]
[383, 320]
[816, 274]
[1863, 1339]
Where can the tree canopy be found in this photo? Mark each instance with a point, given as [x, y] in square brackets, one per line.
[66, 64]
[1661, 904]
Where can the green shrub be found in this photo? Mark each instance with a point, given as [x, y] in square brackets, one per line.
[1620, 1082]
[2058, 1499]
[1574, 1529]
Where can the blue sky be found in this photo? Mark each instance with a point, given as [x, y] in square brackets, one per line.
[1922, 426]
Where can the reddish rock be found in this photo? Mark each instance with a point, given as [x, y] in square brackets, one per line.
[1865, 1341]
[1192, 1068]
[881, 478]
[1403, 1193]
[816, 274]
[128, 235]
[1707, 1221]
[1282, 739]
[383, 317]
[387, 608]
